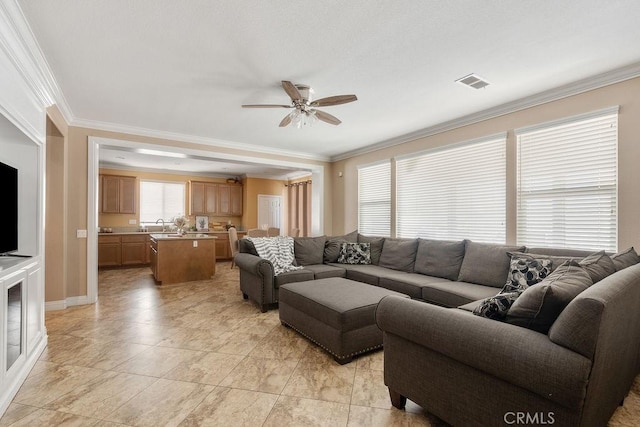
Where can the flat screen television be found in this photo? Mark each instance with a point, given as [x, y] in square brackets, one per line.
[9, 191]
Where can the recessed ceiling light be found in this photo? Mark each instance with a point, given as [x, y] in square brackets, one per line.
[473, 80]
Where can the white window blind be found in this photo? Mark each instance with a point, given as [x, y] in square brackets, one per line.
[567, 183]
[453, 193]
[161, 200]
[374, 199]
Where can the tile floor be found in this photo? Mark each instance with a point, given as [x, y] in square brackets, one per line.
[198, 354]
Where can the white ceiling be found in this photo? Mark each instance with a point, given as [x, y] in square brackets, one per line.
[185, 67]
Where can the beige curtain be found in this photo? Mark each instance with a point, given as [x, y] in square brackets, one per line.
[299, 202]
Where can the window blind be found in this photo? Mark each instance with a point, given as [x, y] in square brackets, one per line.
[567, 184]
[161, 200]
[453, 193]
[374, 199]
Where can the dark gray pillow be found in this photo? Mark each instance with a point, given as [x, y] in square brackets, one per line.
[486, 263]
[399, 254]
[439, 258]
[625, 259]
[332, 246]
[246, 246]
[540, 305]
[309, 250]
[599, 265]
[376, 246]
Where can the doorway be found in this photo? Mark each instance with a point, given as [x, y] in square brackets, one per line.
[269, 211]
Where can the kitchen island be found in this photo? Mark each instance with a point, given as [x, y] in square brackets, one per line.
[182, 258]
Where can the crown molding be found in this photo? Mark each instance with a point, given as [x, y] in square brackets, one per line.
[180, 137]
[590, 83]
[23, 50]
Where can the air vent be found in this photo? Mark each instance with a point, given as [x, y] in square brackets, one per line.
[474, 81]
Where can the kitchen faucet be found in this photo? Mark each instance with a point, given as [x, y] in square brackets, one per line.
[163, 230]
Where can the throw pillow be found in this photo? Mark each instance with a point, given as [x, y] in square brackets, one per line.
[376, 246]
[625, 259]
[309, 250]
[523, 272]
[355, 253]
[598, 265]
[540, 305]
[556, 260]
[399, 254]
[332, 246]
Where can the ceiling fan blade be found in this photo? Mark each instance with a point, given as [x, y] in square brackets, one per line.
[333, 100]
[326, 117]
[285, 121]
[266, 106]
[291, 90]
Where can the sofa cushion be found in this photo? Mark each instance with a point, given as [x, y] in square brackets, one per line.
[355, 253]
[399, 254]
[486, 263]
[376, 246]
[408, 283]
[309, 250]
[332, 246]
[362, 273]
[523, 272]
[454, 294]
[323, 271]
[540, 305]
[293, 276]
[440, 258]
[563, 252]
[598, 265]
[246, 246]
[625, 258]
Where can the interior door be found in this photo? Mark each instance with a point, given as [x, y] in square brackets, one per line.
[269, 211]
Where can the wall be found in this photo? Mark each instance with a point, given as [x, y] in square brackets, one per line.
[252, 187]
[625, 94]
[122, 220]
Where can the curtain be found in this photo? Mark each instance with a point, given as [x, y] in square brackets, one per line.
[299, 202]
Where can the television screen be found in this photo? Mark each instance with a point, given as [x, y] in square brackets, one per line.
[9, 191]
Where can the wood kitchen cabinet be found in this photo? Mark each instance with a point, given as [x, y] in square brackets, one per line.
[134, 249]
[118, 194]
[208, 198]
[123, 250]
[109, 251]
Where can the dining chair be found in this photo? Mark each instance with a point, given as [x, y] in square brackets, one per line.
[257, 232]
[233, 242]
[273, 231]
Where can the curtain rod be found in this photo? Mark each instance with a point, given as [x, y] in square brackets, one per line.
[298, 183]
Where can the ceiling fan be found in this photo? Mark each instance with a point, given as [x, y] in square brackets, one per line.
[304, 112]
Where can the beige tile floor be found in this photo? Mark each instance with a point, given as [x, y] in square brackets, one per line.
[198, 354]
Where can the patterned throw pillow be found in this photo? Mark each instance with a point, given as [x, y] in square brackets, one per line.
[355, 253]
[523, 272]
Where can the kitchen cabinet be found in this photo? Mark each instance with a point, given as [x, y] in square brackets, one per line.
[118, 194]
[182, 259]
[123, 250]
[208, 198]
[230, 200]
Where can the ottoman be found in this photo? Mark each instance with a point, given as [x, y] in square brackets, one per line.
[337, 314]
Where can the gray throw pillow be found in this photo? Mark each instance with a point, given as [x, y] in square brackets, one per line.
[540, 305]
[599, 265]
[399, 254]
[625, 258]
[486, 263]
[355, 253]
[246, 246]
[523, 272]
[439, 258]
[376, 246]
[309, 250]
[332, 246]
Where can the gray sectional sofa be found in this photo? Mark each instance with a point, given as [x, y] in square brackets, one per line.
[466, 369]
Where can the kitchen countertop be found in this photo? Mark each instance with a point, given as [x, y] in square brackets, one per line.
[127, 233]
[174, 236]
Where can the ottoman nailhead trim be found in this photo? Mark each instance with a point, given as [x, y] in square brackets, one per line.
[355, 353]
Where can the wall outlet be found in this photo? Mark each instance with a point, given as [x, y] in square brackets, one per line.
[132, 222]
[81, 234]
[195, 243]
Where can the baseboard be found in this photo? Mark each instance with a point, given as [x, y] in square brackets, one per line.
[69, 302]
[12, 388]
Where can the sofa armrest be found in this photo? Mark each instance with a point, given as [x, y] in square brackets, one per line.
[514, 354]
[254, 265]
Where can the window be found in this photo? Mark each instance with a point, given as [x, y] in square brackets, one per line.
[161, 200]
[455, 192]
[567, 183]
[374, 199]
